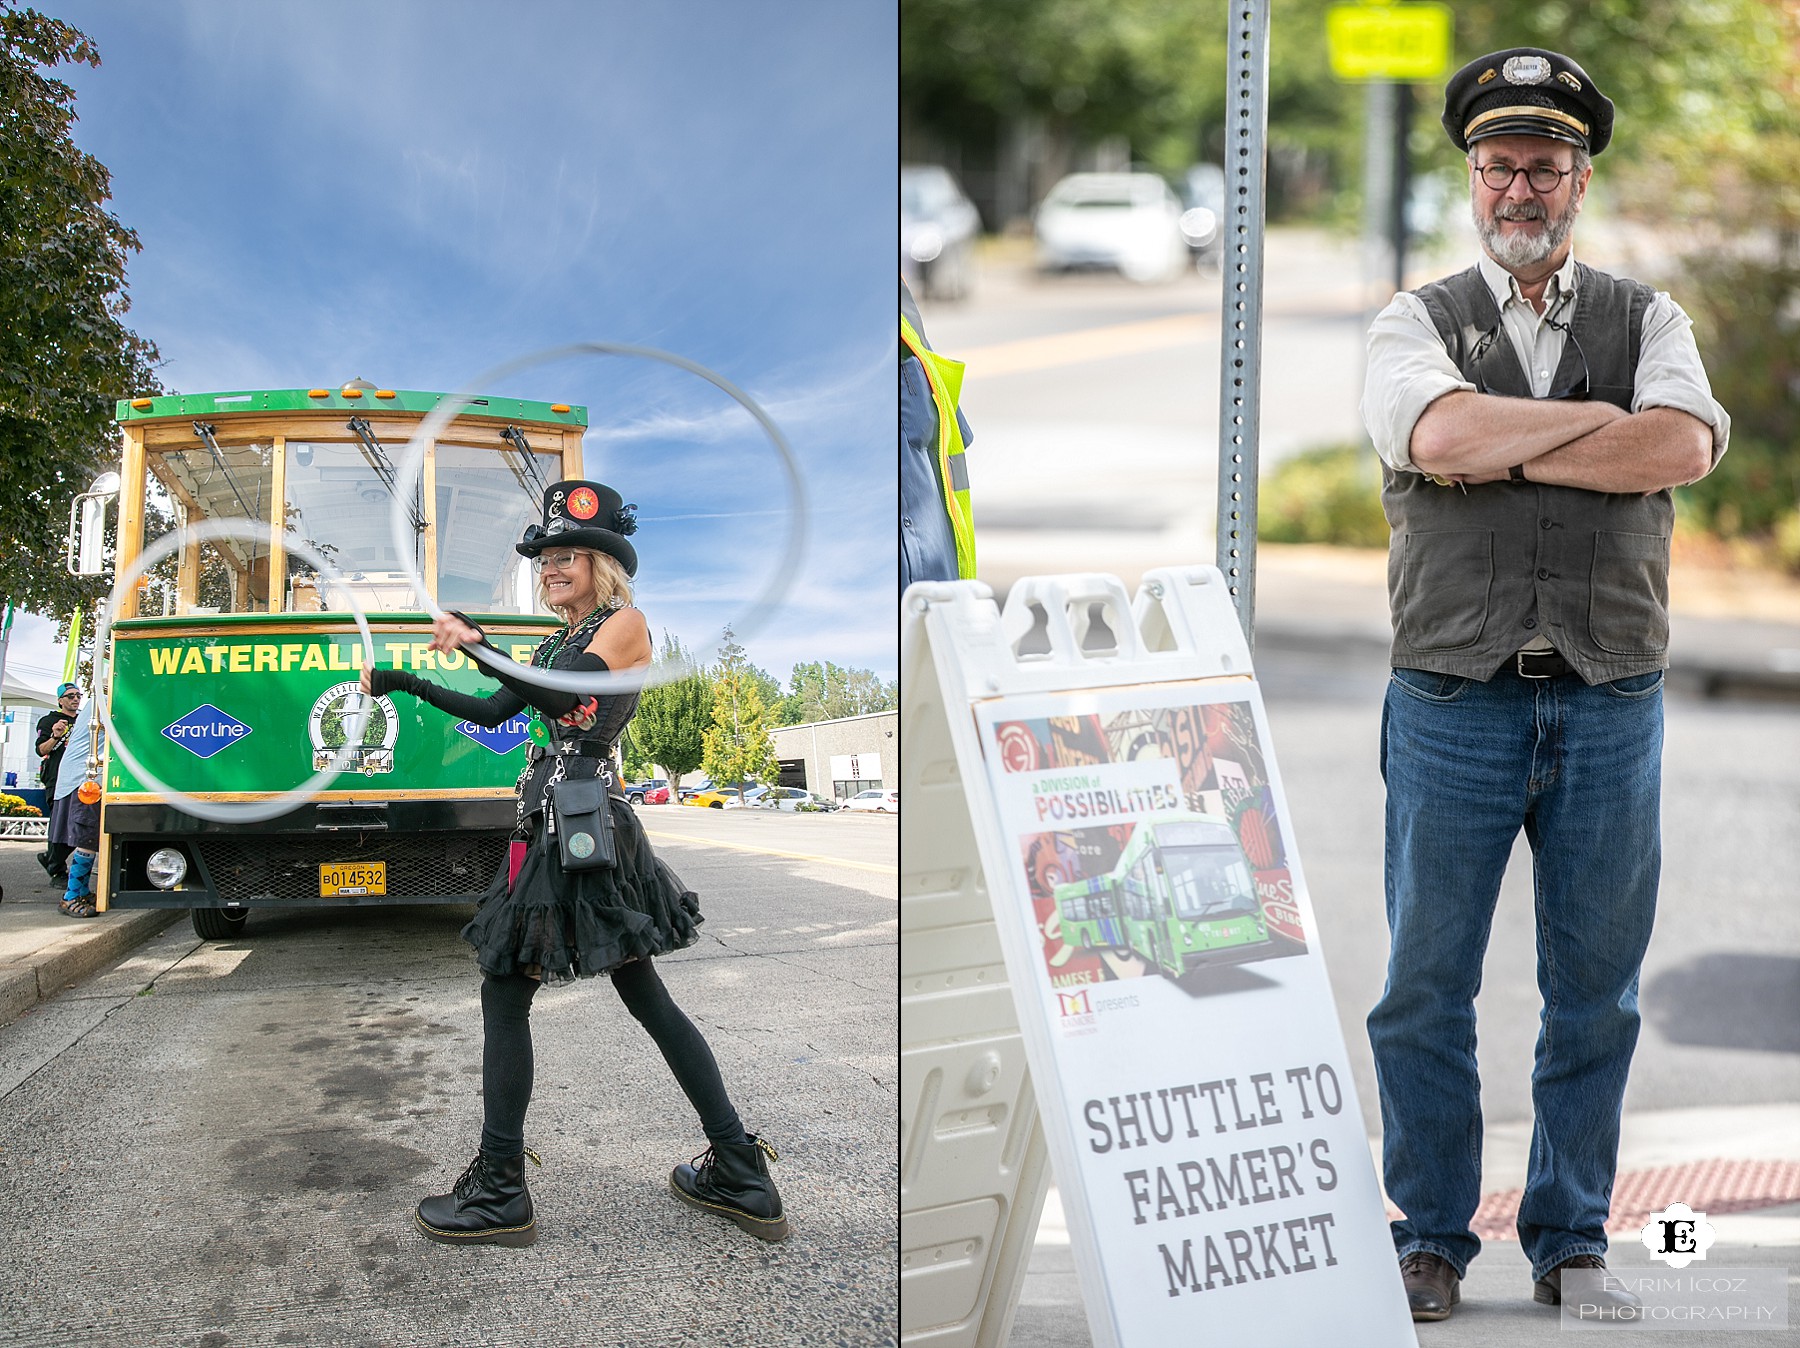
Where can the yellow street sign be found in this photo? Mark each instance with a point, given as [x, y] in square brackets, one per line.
[1389, 42]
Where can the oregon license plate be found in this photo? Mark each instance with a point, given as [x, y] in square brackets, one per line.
[343, 880]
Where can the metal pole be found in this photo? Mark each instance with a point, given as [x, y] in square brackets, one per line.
[1240, 362]
[1403, 106]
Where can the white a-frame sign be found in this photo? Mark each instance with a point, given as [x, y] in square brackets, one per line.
[1103, 915]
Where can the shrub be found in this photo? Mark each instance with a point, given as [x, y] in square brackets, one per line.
[1328, 495]
[15, 806]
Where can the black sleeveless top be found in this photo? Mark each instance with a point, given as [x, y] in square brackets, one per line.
[581, 742]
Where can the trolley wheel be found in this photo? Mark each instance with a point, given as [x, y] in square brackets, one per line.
[217, 924]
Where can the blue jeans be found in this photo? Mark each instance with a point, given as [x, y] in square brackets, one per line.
[1467, 764]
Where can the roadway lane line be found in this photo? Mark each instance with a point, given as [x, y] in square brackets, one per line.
[1026, 355]
[773, 852]
[1086, 344]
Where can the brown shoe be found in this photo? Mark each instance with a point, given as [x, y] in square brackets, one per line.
[1547, 1290]
[1432, 1286]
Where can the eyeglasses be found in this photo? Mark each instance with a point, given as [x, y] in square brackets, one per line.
[562, 561]
[1542, 177]
[1576, 392]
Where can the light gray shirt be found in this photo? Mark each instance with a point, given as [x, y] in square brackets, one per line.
[1409, 369]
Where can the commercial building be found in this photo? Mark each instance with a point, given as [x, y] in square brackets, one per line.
[839, 758]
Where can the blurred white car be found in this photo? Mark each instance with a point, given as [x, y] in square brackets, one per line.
[781, 798]
[938, 225]
[1131, 221]
[878, 801]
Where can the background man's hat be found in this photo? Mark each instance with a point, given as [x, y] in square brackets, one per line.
[64, 689]
[584, 515]
[1527, 91]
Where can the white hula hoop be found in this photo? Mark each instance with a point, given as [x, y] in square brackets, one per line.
[221, 811]
[590, 683]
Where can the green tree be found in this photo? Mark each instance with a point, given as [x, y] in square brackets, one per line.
[822, 691]
[737, 746]
[670, 726]
[66, 355]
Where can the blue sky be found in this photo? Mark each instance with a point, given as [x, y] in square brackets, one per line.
[417, 191]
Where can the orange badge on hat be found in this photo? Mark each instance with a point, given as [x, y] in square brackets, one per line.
[583, 504]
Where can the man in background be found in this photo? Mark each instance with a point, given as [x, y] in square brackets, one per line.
[937, 527]
[52, 739]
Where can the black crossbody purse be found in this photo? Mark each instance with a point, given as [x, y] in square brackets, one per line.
[581, 819]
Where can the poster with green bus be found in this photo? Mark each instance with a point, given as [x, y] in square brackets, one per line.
[1151, 839]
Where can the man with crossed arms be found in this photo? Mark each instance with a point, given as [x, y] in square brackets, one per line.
[1532, 414]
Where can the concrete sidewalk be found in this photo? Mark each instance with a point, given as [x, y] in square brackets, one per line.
[1496, 1307]
[41, 951]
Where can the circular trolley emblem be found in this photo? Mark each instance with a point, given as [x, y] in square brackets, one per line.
[583, 503]
[326, 727]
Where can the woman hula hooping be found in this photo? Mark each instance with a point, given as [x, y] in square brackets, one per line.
[556, 912]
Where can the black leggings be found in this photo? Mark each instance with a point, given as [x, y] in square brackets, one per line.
[506, 1060]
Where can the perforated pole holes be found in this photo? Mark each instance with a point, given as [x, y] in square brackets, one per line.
[1240, 372]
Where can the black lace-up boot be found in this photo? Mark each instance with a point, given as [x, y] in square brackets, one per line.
[489, 1205]
[732, 1179]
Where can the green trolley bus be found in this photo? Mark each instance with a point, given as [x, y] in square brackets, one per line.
[1181, 897]
[229, 667]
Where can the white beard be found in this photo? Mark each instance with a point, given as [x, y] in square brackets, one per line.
[1519, 249]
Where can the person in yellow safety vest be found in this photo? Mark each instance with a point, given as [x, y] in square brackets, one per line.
[937, 528]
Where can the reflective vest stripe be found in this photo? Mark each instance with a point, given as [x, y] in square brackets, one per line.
[944, 377]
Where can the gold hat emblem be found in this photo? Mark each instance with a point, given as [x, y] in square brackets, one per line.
[1487, 75]
[1569, 80]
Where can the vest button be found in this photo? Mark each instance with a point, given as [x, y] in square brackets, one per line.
[1531, 622]
[1543, 573]
[1543, 524]
[906, 521]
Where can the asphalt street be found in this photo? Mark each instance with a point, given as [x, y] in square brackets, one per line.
[221, 1143]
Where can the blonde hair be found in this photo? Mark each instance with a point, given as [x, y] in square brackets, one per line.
[610, 580]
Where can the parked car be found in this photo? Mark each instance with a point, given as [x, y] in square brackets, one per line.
[1131, 221]
[781, 798]
[938, 227]
[1203, 196]
[639, 792]
[657, 795]
[876, 801]
[714, 797]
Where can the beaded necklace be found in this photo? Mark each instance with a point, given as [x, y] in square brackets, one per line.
[539, 731]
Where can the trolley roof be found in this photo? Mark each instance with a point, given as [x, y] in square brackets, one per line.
[348, 398]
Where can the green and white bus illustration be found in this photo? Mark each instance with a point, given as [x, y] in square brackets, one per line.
[229, 669]
[1181, 897]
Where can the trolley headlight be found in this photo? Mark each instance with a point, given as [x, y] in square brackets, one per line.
[166, 868]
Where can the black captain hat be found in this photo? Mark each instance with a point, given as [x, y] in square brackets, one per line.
[584, 515]
[1527, 91]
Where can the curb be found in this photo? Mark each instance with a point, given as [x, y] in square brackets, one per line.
[65, 962]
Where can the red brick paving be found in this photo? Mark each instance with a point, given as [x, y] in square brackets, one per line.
[1711, 1187]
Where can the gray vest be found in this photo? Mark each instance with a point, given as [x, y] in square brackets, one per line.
[1473, 578]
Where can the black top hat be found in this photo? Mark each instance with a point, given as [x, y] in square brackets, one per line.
[584, 515]
[1527, 91]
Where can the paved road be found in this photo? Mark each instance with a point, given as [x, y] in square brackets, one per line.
[221, 1143]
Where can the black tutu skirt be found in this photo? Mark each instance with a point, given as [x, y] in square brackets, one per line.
[563, 925]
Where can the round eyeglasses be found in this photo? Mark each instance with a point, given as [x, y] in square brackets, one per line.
[562, 561]
[1542, 177]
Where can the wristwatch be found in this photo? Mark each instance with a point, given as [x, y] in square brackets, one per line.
[1516, 472]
